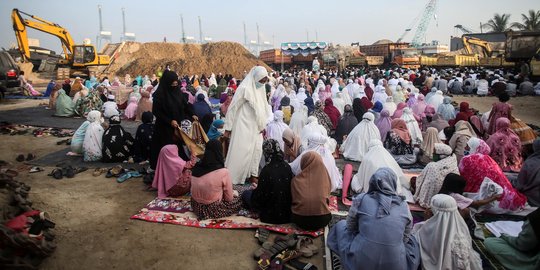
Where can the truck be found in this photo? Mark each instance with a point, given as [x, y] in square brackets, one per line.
[487, 56]
[524, 46]
[78, 58]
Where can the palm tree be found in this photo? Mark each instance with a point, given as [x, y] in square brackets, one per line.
[499, 23]
[530, 23]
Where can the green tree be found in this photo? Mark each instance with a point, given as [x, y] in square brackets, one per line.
[499, 23]
[531, 21]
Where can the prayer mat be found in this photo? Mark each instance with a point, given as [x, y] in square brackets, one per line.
[178, 211]
[488, 261]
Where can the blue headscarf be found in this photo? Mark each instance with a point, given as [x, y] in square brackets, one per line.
[377, 107]
[200, 107]
[50, 87]
[309, 104]
[213, 132]
[383, 184]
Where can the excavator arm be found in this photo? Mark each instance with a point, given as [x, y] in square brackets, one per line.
[20, 24]
[467, 41]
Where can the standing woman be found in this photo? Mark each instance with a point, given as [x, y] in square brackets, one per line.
[244, 123]
[170, 108]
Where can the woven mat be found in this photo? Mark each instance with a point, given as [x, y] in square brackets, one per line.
[178, 211]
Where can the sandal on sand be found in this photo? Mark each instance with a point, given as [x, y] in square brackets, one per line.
[308, 242]
[279, 261]
[68, 172]
[262, 235]
[265, 248]
[35, 169]
[20, 158]
[30, 156]
[57, 174]
[98, 171]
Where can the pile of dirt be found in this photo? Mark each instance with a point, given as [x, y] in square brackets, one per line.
[146, 58]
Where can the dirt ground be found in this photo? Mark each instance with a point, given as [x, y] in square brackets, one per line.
[526, 108]
[94, 230]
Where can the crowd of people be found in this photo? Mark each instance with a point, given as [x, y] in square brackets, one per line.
[273, 141]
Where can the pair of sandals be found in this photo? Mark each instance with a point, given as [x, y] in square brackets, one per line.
[29, 157]
[283, 253]
[67, 171]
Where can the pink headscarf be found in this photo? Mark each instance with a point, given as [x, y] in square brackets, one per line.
[420, 106]
[505, 146]
[429, 111]
[384, 124]
[399, 111]
[168, 170]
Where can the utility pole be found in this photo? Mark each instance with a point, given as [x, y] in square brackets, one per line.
[481, 30]
[307, 35]
[183, 32]
[200, 31]
[98, 39]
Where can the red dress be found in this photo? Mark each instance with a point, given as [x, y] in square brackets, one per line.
[475, 167]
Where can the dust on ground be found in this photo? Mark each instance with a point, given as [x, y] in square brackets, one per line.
[94, 230]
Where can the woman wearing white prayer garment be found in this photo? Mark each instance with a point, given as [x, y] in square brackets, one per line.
[246, 119]
[356, 144]
[445, 242]
[436, 100]
[378, 157]
[316, 143]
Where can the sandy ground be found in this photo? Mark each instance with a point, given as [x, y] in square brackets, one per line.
[526, 108]
[94, 230]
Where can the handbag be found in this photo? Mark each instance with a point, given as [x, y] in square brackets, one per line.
[196, 141]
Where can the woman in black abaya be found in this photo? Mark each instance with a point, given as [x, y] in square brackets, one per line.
[170, 107]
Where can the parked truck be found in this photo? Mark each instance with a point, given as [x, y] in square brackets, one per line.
[524, 46]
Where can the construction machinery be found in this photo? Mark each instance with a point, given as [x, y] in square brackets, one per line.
[524, 47]
[78, 58]
[406, 58]
[489, 57]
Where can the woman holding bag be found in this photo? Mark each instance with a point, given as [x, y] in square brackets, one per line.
[170, 108]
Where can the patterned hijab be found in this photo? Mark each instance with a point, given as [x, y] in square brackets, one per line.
[272, 152]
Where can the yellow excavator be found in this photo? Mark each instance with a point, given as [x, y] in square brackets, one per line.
[490, 58]
[78, 58]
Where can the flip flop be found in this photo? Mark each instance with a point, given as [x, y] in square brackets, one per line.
[262, 235]
[35, 169]
[30, 156]
[299, 265]
[20, 158]
[57, 174]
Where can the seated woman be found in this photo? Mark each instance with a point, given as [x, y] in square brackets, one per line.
[93, 139]
[131, 111]
[316, 143]
[505, 147]
[377, 157]
[431, 137]
[412, 125]
[356, 144]
[376, 234]
[87, 103]
[346, 124]
[293, 145]
[310, 191]
[78, 137]
[528, 181]
[479, 165]
[272, 197]
[64, 105]
[145, 104]
[519, 252]
[143, 138]
[448, 248]
[216, 129]
[212, 194]
[172, 176]
[447, 110]
[430, 180]
[399, 142]
[459, 139]
[117, 142]
[201, 107]
[274, 129]
[453, 185]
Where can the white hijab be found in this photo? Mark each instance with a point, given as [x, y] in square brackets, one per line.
[376, 157]
[339, 103]
[335, 87]
[444, 239]
[316, 143]
[299, 119]
[274, 129]
[253, 95]
[436, 99]
[412, 126]
[390, 105]
[92, 143]
[312, 126]
[301, 96]
[356, 145]
[380, 93]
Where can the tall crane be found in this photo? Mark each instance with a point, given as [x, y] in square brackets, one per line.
[183, 32]
[463, 29]
[419, 35]
[103, 35]
[126, 36]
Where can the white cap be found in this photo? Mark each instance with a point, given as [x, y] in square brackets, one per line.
[110, 97]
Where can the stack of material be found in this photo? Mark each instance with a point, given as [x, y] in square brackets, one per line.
[25, 234]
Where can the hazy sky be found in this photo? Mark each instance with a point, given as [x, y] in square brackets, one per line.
[337, 21]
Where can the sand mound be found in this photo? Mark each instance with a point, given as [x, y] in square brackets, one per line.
[145, 58]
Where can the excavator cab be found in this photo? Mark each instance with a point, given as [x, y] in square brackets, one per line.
[84, 55]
